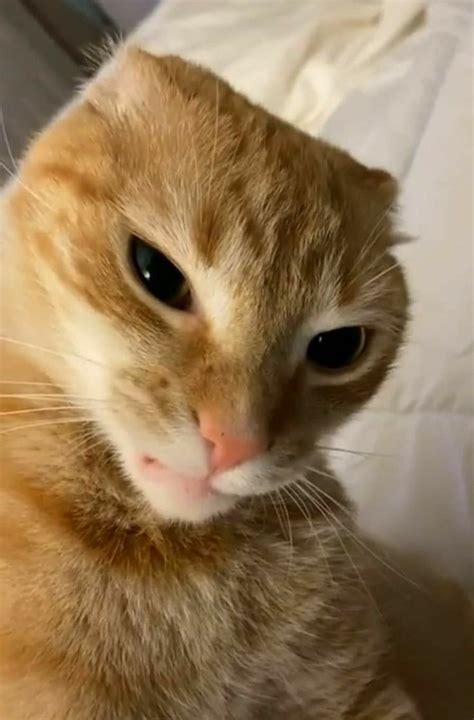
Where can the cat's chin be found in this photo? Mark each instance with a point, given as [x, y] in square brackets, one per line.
[177, 497]
[172, 503]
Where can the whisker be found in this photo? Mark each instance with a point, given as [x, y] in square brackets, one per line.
[33, 346]
[288, 521]
[316, 489]
[362, 453]
[293, 490]
[28, 382]
[8, 170]
[290, 531]
[83, 447]
[45, 423]
[49, 396]
[346, 511]
[376, 232]
[330, 516]
[380, 275]
[360, 577]
[277, 512]
[7, 141]
[370, 242]
[39, 199]
[320, 472]
[51, 408]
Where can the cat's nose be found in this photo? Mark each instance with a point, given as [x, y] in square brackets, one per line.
[228, 449]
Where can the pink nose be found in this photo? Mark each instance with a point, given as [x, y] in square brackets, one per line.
[228, 449]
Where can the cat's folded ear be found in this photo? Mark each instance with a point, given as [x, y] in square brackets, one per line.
[371, 193]
[379, 183]
[124, 81]
[132, 79]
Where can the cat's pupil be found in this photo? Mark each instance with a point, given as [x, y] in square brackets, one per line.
[159, 275]
[336, 349]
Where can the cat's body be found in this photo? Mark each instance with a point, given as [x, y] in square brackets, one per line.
[124, 621]
[261, 604]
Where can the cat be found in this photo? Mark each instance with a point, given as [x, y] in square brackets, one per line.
[195, 295]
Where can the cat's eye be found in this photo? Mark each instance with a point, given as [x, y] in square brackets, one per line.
[337, 349]
[159, 275]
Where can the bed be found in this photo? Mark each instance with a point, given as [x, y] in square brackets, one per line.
[391, 82]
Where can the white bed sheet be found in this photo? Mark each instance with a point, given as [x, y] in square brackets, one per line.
[423, 499]
[395, 89]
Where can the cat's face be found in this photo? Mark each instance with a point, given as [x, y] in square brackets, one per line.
[227, 278]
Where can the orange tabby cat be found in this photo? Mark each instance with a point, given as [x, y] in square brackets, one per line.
[194, 294]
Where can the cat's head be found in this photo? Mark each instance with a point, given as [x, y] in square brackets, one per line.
[218, 286]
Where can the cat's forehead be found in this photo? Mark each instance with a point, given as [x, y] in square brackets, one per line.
[250, 221]
[215, 181]
[258, 215]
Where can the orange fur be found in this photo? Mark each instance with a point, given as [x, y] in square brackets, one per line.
[108, 609]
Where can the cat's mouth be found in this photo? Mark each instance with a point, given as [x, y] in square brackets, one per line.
[177, 495]
[194, 487]
[187, 480]
[196, 496]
